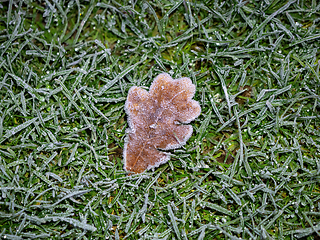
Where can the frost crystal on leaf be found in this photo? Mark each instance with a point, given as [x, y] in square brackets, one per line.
[155, 119]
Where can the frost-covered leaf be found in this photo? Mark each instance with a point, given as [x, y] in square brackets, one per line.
[155, 119]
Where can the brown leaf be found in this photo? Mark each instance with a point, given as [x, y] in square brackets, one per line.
[155, 119]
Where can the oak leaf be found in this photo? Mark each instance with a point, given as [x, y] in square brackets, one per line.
[157, 121]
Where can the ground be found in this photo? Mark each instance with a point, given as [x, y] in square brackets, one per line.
[251, 168]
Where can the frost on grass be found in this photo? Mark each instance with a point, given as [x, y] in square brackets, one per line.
[156, 120]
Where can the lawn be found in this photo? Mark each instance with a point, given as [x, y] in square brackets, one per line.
[251, 169]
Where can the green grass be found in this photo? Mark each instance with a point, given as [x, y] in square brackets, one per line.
[251, 170]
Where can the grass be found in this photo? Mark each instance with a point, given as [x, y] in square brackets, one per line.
[251, 168]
